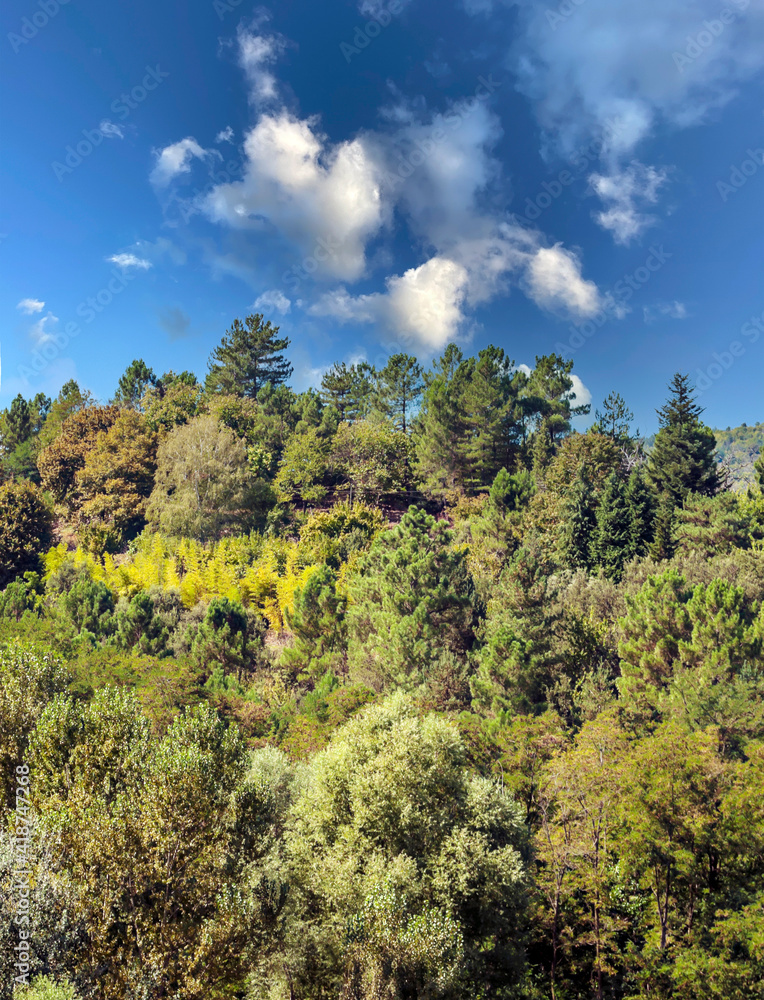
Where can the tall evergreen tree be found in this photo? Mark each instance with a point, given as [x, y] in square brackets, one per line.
[441, 426]
[348, 389]
[579, 523]
[133, 384]
[641, 503]
[614, 418]
[663, 544]
[400, 386]
[682, 460]
[248, 356]
[612, 539]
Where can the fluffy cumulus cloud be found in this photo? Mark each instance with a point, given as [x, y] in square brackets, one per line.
[273, 300]
[130, 260]
[602, 67]
[324, 198]
[555, 283]
[31, 306]
[322, 205]
[426, 306]
[175, 159]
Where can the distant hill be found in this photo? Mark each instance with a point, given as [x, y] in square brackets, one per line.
[739, 447]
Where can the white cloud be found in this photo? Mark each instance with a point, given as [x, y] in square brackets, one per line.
[671, 310]
[256, 53]
[110, 130]
[128, 260]
[272, 301]
[555, 282]
[31, 306]
[323, 198]
[175, 159]
[624, 192]
[600, 62]
[426, 306]
[225, 135]
[579, 394]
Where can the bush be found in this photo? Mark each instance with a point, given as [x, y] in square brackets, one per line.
[26, 527]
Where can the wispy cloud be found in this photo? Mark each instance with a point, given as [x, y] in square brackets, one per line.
[128, 260]
[31, 306]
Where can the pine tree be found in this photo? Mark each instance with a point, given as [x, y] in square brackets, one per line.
[614, 418]
[663, 545]
[133, 384]
[401, 385]
[441, 426]
[641, 503]
[248, 356]
[612, 539]
[682, 460]
[348, 389]
[579, 523]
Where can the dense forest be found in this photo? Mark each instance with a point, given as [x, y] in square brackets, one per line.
[402, 689]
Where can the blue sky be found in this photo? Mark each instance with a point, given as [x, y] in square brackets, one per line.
[585, 177]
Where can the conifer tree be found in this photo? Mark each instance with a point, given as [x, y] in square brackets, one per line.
[401, 385]
[612, 539]
[641, 503]
[663, 545]
[579, 523]
[249, 356]
[441, 427]
[614, 418]
[133, 384]
[682, 460]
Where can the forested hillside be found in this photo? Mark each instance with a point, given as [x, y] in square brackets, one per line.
[397, 690]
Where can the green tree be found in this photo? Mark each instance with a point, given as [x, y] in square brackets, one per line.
[115, 482]
[641, 503]
[60, 462]
[249, 356]
[203, 484]
[407, 871]
[174, 399]
[614, 419]
[348, 389]
[411, 600]
[612, 539]
[138, 377]
[26, 529]
[518, 659]
[441, 428]
[371, 459]
[29, 678]
[303, 470]
[318, 625]
[682, 459]
[579, 523]
[70, 400]
[400, 387]
[152, 834]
